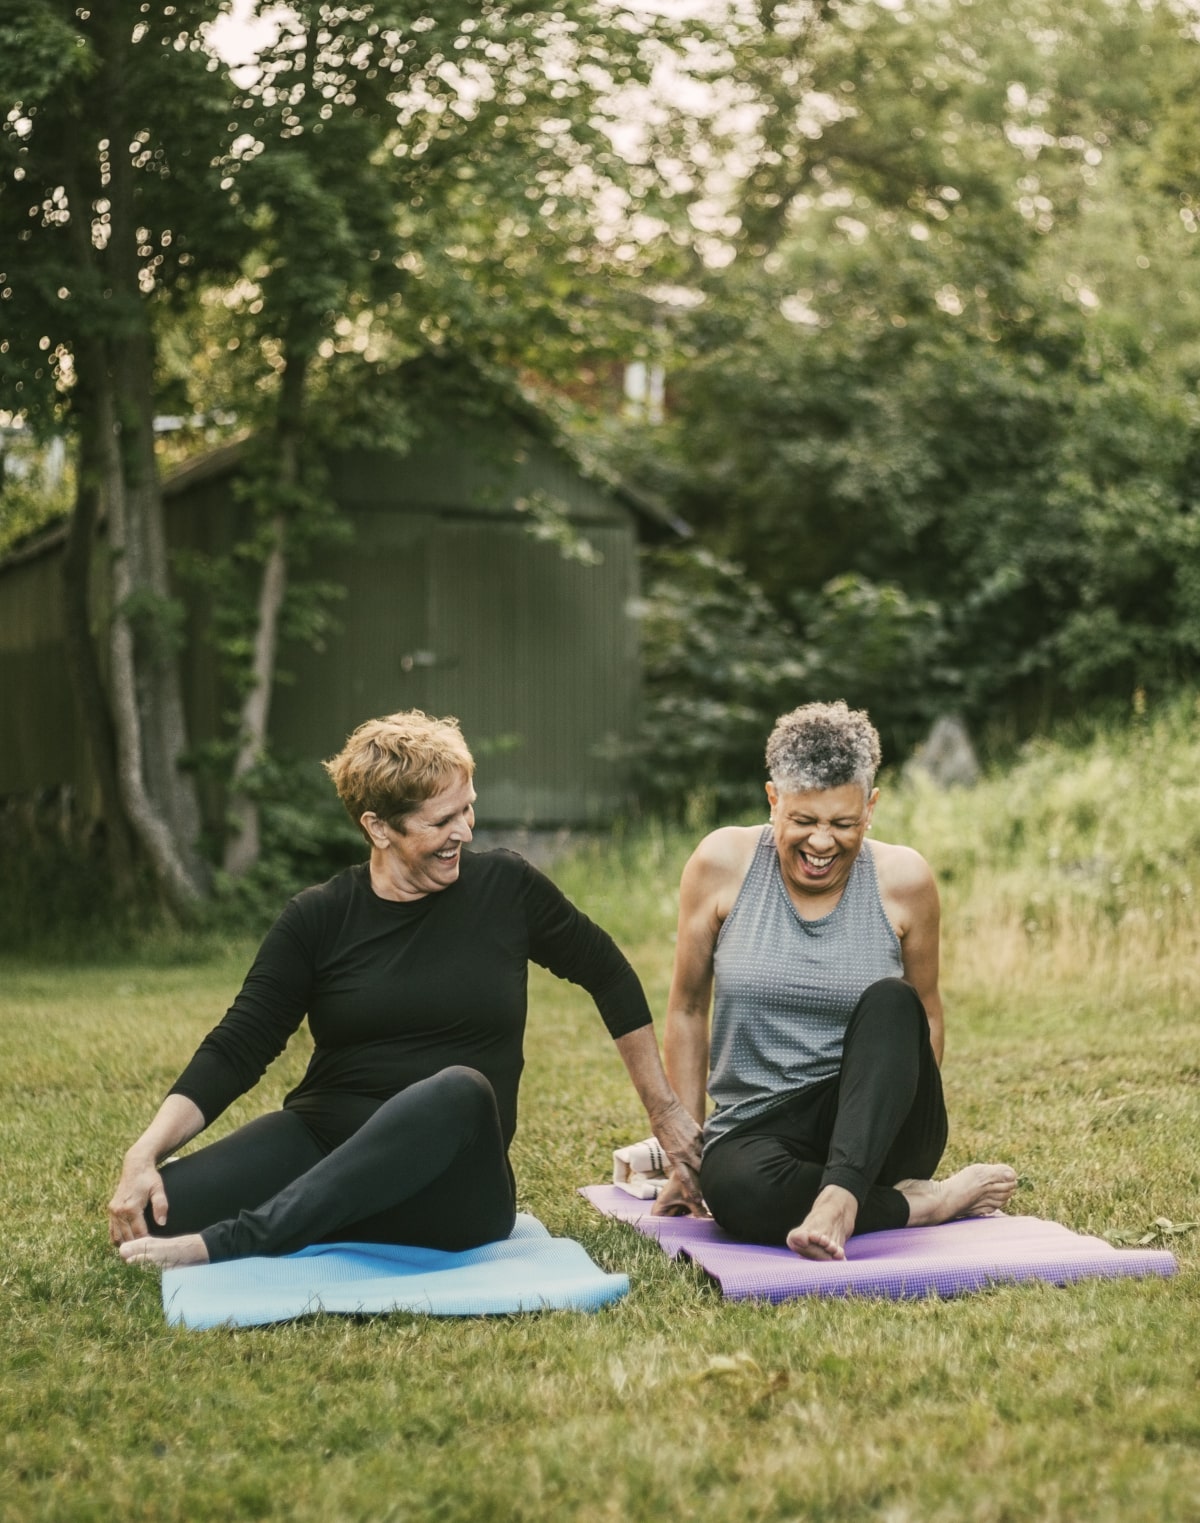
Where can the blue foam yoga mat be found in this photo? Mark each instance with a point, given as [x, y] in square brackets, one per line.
[528, 1271]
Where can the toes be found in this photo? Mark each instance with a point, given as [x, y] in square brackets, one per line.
[814, 1245]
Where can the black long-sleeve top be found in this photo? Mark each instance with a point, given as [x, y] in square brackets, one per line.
[396, 991]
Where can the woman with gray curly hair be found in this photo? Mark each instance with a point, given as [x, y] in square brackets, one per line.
[818, 952]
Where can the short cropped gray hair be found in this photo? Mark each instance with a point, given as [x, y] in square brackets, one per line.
[823, 745]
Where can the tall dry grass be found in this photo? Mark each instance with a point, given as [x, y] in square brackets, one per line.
[1075, 868]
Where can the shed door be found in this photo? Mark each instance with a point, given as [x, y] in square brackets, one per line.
[537, 657]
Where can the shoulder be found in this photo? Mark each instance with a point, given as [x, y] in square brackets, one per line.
[900, 867]
[500, 859]
[313, 904]
[500, 879]
[906, 882]
[496, 865]
[726, 850]
[312, 917]
[719, 864]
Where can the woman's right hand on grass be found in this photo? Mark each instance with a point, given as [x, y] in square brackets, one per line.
[178, 1120]
[139, 1186]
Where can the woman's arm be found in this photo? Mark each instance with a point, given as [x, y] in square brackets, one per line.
[265, 1014]
[714, 869]
[709, 885]
[178, 1120]
[228, 1062]
[564, 940]
[685, 1039]
[911, 891]
[670, 1123]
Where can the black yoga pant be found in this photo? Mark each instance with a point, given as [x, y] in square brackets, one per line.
[881, 1119]
[428, 1168]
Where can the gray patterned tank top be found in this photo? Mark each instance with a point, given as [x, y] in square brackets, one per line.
[786, 987]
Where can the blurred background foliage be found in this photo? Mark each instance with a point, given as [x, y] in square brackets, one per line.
[939, 401]
[921, 276]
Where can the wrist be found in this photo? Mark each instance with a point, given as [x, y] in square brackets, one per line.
[142, 1155]
[664, 1108]
[675, 1121]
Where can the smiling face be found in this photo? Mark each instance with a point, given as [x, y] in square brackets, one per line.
[818, 834]
[423, 852]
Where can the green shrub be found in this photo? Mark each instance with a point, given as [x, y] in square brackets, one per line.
[720, 664]
[306, 838]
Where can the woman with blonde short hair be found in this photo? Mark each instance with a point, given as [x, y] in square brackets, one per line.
[411, 969]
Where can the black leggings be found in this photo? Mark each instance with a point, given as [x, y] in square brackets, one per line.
[428, 1168]
[881, 1119]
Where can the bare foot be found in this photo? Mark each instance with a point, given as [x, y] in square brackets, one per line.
[981, 1189]
[823, 1232]
[165, 1252]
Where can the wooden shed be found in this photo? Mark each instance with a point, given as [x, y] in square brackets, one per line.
[458, 601]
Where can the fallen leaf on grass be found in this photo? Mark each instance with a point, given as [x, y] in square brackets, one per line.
[1161, 1227]
[721, 1365]
[749, 1383]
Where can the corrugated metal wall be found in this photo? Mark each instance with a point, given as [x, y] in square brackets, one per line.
[533, 652]
[41, 745]
[452, 606]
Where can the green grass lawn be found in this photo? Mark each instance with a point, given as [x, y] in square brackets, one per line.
[1073, 1051]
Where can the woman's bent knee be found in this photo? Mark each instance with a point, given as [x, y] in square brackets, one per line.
[462, 1083]
[892, 1000]
[893, 991]
[750, 1202]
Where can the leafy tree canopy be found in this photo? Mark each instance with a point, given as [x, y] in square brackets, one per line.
[950, 347]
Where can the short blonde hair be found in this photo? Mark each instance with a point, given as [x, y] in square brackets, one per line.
[390, 766]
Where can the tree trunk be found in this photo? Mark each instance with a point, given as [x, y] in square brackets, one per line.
[180, 885]
[156, 633]
[244, 843]
[83, 666]
[160, 800]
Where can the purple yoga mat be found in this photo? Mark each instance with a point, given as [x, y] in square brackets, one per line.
[912, 1261]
